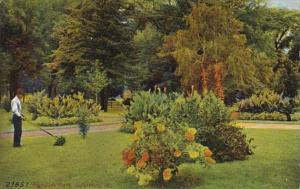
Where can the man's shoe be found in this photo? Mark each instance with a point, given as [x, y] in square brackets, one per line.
[17, 146]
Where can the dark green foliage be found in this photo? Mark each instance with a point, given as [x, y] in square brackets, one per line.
[227, 142]
[82, 122]
[5, 104]
[186, 110]
[93, 33]
[59, 141]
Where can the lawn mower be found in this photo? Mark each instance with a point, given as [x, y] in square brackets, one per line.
[59, 140]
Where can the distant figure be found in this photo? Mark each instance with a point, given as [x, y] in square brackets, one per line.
[17, 117]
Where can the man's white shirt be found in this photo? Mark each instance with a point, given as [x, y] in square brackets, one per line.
[16, 107]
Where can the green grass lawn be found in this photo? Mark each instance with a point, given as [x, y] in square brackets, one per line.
[96, 163]
[6, 125]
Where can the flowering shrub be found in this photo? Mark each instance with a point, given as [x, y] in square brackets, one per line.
[39, 104]
[211, 118]
[207, 114]
[157, 150]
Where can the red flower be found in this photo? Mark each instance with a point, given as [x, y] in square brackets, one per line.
[128, 156]
[145, 156]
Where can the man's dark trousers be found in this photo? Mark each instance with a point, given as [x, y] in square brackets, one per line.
[17, 121]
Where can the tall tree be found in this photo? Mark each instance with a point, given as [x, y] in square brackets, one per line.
[211, 52]
[94, 31]
[24, 37]
[284, 24]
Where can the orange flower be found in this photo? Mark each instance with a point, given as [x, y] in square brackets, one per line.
[207, 152]
[189, 136]
[141, 164]
[167, 174]
[145, 156]
[177, 153]
[128, 156]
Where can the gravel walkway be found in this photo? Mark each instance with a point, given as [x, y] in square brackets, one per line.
[64, 131]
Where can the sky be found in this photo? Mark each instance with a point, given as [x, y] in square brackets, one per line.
[290, 4]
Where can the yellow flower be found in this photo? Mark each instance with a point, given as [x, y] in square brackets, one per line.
[193, 154]
[177, 153]
[137, 135]
[210, 160]
[138, 125]
[207, 152]
[192, 130]
[160, 127]
[167, 174]
[131, 170]
[144, 179]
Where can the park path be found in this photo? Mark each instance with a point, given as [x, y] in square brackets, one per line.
[114, 127]
[63, 131]
[269, 126]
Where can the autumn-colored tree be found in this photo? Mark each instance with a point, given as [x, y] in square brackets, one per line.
[211, 53]
[219, 90]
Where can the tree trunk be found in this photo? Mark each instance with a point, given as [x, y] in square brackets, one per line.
[96, 97]
[104, 100]
[52, 86]
[288, 117]
[13, 83]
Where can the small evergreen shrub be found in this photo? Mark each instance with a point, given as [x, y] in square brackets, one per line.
[226, 142]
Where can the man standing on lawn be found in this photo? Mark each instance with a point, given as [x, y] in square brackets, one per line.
[17, 117]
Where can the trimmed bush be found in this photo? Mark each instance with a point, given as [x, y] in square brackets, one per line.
[49, 122]
[227, 142]
[269, 101]
[274, 116]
